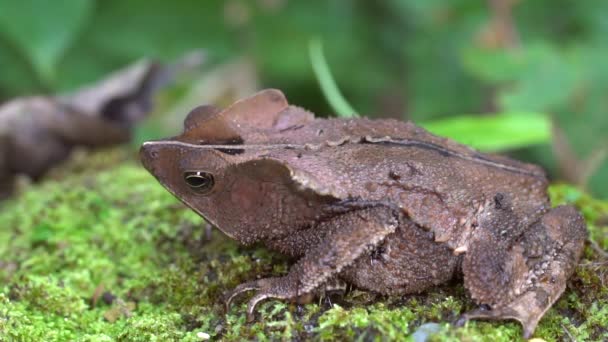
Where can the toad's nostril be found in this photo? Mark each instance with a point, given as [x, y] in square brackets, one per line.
[148, 152]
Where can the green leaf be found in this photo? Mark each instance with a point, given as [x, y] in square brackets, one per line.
[120, 32]
[327, 83]
[547, 84]
[494, 133]
[493, 65]
[43, 30]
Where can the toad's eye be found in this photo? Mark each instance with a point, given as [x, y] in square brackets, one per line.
[201, 182]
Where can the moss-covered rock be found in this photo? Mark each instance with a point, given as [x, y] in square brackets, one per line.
[106, 254]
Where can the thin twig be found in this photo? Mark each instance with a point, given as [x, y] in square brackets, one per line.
[599, 250]
[594, 264]
[503, 24]
[568, 333]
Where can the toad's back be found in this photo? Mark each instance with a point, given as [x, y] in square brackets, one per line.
[440, 184]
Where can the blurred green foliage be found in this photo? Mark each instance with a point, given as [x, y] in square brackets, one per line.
[493, 133]
[423, 60]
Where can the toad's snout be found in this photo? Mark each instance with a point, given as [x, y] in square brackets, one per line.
[148, 154]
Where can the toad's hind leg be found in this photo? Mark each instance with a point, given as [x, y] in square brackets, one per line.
[522, 280]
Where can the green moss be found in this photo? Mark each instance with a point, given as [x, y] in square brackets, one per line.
[110, 255]
[47, 296]
[594, 211]
[375, 320]
[163, 326]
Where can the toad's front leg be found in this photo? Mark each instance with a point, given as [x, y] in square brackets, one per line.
[522, 280]
[347, 237]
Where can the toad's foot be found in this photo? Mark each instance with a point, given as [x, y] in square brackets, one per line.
[348, 236]
[278, 288]
[523, 280]
[527, 309]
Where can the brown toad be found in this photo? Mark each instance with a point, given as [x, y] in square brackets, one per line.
[381, 204]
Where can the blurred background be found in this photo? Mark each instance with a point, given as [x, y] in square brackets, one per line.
[520, 77]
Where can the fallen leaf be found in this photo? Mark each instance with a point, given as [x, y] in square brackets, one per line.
[38, 132]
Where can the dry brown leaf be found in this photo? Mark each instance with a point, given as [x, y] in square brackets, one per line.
[40, 131]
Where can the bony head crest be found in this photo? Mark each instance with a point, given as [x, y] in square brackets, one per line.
[211, 125]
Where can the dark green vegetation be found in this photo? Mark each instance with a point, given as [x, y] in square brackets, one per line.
[415, 59]
[107, 254]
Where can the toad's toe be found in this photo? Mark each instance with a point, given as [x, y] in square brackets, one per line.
[242, 288]
[253, 302]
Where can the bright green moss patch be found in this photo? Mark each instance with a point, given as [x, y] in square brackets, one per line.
[373, 320]
[107, 254]
[594, 211]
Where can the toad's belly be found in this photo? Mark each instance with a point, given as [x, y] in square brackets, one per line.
[408, 261]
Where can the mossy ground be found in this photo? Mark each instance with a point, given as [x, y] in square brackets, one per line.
[104, 253]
